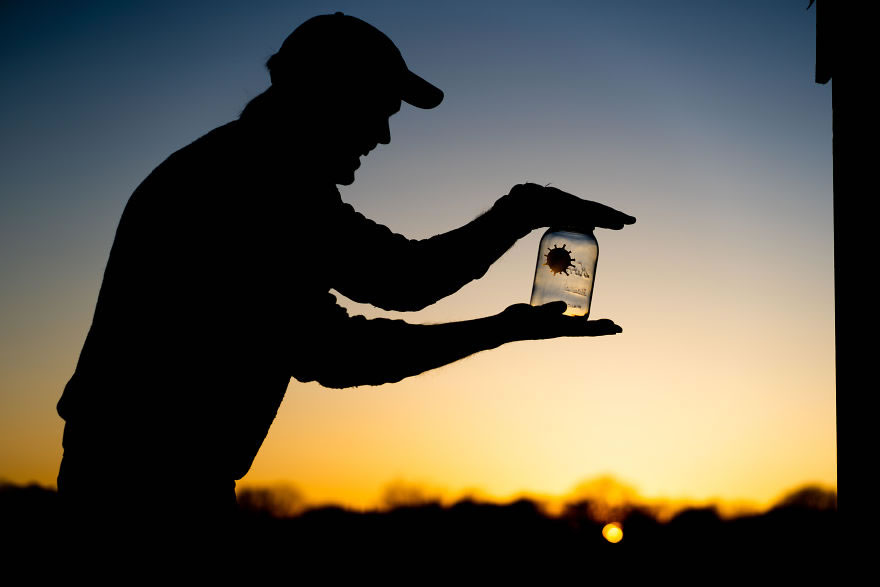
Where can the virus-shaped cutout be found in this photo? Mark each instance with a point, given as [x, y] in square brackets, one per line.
[559, 260]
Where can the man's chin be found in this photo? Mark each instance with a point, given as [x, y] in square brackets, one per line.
[344, 178]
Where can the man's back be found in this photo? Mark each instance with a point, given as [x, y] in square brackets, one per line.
[183, 367]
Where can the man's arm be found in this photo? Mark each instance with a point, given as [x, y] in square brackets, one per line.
[357, 351]
[395, 273]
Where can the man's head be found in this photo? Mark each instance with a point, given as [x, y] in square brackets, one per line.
[350, 78]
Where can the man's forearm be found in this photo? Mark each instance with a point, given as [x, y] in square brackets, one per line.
[373, 352]
[395, 273]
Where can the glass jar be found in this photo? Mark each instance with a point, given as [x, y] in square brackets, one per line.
[566, 269]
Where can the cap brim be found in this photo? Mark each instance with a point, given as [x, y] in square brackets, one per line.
[420, 93]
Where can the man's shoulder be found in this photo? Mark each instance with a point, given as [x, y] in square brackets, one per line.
[236, 164]
[223, 142]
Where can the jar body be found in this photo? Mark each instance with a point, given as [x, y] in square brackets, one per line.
[566, 270]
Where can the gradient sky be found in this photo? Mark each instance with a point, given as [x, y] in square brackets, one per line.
[700, 118]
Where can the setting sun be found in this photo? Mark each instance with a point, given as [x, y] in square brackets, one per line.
[612, 532]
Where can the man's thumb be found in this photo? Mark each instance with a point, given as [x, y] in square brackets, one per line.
[552, 308]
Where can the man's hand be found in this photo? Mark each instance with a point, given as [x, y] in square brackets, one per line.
[525, 322]
[535, 206]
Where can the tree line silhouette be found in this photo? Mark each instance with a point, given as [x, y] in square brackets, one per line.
[800, 532]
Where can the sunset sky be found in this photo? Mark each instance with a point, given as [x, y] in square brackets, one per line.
[701, 119]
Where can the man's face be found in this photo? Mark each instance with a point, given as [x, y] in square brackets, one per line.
[355, 130]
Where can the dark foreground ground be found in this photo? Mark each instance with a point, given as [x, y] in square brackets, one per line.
[799, 537]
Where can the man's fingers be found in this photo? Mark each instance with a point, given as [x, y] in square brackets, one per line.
[606, 217]
[553, 308]
[601, 327]
[561, 325]
[575, 324]
[596, 214]
[548, 321]
[579, 211]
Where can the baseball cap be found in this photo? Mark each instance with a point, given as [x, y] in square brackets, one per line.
[341, 49]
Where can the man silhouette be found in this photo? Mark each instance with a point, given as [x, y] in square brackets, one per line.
[216, 291]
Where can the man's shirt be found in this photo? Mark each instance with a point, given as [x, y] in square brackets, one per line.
[217, 292]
